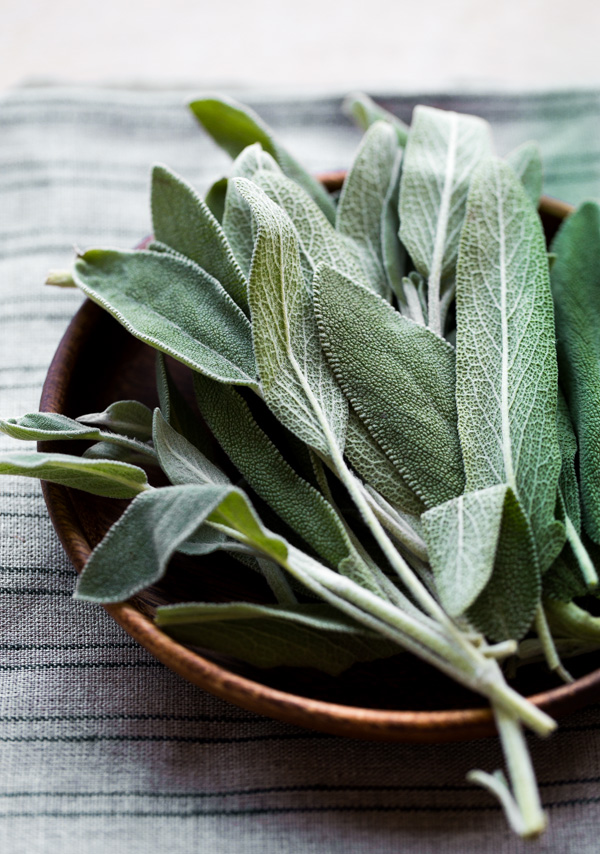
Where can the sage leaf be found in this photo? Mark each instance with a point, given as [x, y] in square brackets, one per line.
[363, 201]
[507, 606]
[564, 582]
[318, 241]
[526, 161]
[178, 412]
[506, 374]
[137, 548]
[442, 151]
[120, 453]
[100, 477]
[296, 380]
[400, 379]
[236, 513]
[567, 482]
[175, 307]
[182, 220]
[463, 539]
[274, 480]
[215, 198]
[234, 127]
[311, 635]
[127, 417]
[181, 461]
[375, 468]
[393, 252]
[366, 112]
[576, 286]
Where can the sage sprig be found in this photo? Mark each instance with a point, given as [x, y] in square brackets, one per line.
[378, 375]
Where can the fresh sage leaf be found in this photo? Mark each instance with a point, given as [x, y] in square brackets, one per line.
[393, 252]
[296, 380]
[567, 482]
[366, 112]
[576, 286]
[442, 151]
[127, 417]
[363, 201]
[234, 127]
[181, 461]
[311, 635]
[175, 307]
[506, 375]
[120, 453]
[100, 477]
[400, 380]
[215, 198]
[526, 161]
[136, 550]
[182, 220]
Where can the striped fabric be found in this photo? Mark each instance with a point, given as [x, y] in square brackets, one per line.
[102, 748]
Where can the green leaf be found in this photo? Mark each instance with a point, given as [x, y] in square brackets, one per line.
[175, 307]
[366, 112]
[182, 220]
[296, 380]
[526, 161]
[177, 411]
[576, 286]
[318, 241]
[136, 550]
[363, 201]
[120, 453]
[238, 221]
[376, 469]
[312, 635]
[563, 582]
[463, 539]
[234, 127]
[181, 461]
[392, 251]
[127, 417]
[506, 607]
[443, 149]
[569, 488]
[236, 513]
[215, 198]
[399, 378]
[506, 375]
[265, 470]
[112, 479]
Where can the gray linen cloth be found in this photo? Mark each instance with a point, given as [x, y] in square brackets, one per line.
[102, 748]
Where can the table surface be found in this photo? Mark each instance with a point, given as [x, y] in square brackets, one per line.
[102, 747]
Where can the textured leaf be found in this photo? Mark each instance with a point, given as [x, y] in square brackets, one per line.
[506, 386]
[506, 607]
[569, 488]
[318, 241]
[128, 417]
[296, 380]
[363, 201]
[234, 127]
[376, 469]
[526, 160]
[136, 550]
[399, 378]
[443, 149]
[576, 289]
[563, 582]
[112, 479]
[393, 252]
[292, 498]
[312, 635]
[181, 461]
[366, 112]
[182, 220]
[238, 221]
[237, 513]
[215, 198]
[120, 453]
[463, 541]
[175, 307]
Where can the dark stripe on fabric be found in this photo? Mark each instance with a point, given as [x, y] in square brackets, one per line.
[178, 739]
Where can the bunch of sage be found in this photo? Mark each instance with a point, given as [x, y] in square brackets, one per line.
[391, 354]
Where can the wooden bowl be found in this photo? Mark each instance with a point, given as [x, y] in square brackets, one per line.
[397, 699]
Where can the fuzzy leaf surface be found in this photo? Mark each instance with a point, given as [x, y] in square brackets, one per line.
[127, 417]
[399, 377]
[234, 127]
[366, 112]
[506, 387]
[174, 306]
[568, 485]
[181, 461]
[183, 221]
[526, 161]
[100, 477]
[295, 377]
[311, 635]
[576, 290]
[363, 201]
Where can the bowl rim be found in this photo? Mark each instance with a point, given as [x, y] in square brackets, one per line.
[320, 715]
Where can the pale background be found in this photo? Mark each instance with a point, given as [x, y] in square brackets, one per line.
[314, 45]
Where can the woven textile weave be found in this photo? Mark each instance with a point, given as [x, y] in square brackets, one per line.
[102, 748]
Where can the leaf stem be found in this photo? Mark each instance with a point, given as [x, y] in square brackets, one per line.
[548, 646]
[588, 570]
